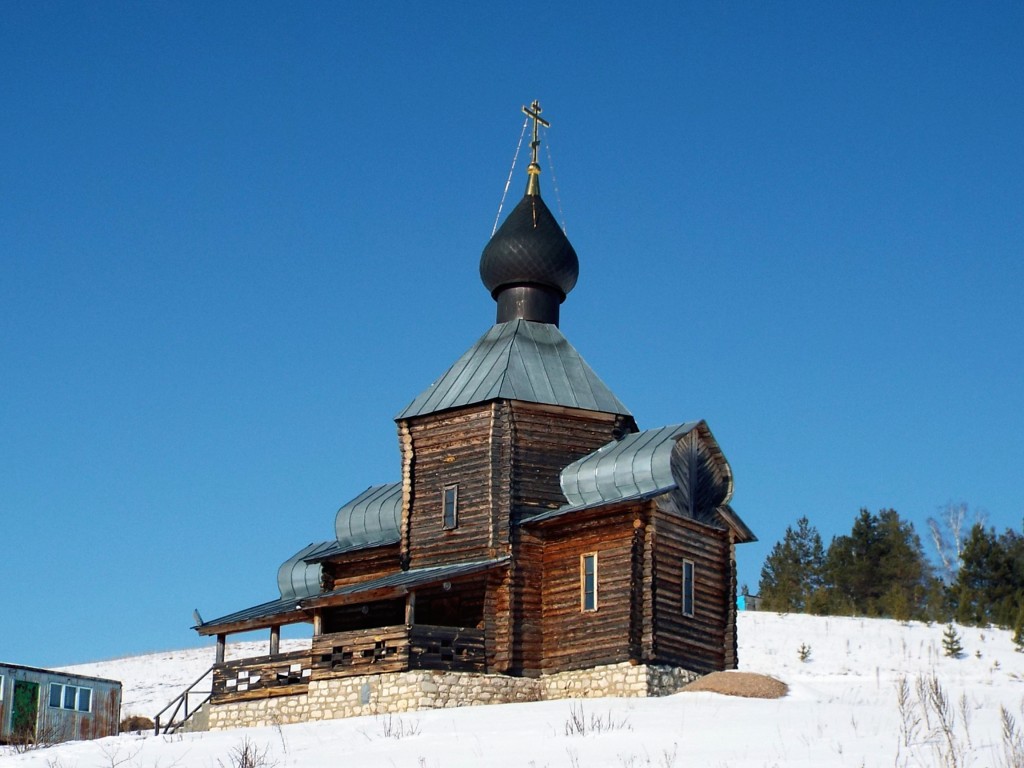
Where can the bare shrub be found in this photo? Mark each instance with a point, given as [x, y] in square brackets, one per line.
[578, 724]
[1013, 741]
[136, 723]
[392, 727]
[930, 720]
[248, 755]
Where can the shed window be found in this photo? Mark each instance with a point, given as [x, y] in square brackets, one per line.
[451, 507]
[687, 588]
[588, 582]
[70, 697]
[1, 689]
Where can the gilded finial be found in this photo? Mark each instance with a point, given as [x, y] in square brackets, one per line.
[533, 170]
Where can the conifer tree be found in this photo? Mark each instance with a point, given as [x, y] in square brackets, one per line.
[951, 644]
[792, 572]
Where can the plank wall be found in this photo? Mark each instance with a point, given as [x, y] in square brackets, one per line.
[706, 641]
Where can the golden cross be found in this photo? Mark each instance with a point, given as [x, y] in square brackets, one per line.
[533, 111]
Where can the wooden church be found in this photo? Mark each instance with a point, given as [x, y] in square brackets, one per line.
[536, 543]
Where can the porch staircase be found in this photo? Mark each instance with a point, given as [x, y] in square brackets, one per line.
[187, 708]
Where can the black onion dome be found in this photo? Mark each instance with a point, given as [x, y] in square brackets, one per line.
[529, 249]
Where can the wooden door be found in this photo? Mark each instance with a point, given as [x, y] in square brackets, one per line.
[24, 711]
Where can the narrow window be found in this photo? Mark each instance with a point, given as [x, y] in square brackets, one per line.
[588, 582]
[451, 507]
[56, 694]
[84, 699]
[69, 696]
[687, 588]
[1, 688]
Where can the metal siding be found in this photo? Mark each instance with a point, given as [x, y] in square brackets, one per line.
[54, 724]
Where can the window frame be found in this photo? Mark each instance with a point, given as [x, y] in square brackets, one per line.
[584, 607]
[452, 488]
[62, 690]
[688, 597]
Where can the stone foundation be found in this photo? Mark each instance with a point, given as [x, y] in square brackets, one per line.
[421, 689]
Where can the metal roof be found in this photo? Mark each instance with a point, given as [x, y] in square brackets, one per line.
[529, 248]
[398, 580]
[419, 576]
[261, 611]
[371, 518]
[640, 466]
[337, 548]
[298, 578]
[637, 464]
[519, 360]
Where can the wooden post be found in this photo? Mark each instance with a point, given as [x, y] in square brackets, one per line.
[318, 622]
[275, 639]
[221, 642]
[410, 609]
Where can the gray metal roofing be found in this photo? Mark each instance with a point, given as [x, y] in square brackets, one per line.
[412, 578]
[57, 672]
[337, 548]
[636, 467]
[371, 518]
[419, 576]
[519, 360]
[638, 463]
[298, 578]
[261, 611]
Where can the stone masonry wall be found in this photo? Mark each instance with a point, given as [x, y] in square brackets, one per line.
[408, 691]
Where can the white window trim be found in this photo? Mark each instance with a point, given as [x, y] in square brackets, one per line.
[78, 697]
[583, 582]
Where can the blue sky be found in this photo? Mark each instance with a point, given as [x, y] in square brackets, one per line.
[236, 240]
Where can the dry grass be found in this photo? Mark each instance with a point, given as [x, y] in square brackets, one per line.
[747, 684]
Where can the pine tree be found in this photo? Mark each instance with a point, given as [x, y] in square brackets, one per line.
[1018, 629]
[880, 569]
[792, 572]
[951, 644]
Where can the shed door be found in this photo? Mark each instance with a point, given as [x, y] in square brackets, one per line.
[24, 711]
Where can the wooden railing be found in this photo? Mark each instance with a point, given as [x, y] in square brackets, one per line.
[344, 654]
[455, 648]
[396, 649]
[184, 704]
[262, 676]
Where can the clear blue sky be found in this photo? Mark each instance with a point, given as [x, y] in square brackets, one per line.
[235, 240]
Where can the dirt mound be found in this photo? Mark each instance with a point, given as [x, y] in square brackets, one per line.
[748, 684]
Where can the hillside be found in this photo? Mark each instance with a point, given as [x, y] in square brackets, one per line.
[841, 710]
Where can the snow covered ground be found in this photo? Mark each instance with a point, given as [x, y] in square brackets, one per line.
[842, 710]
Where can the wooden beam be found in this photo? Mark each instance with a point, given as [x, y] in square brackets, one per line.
[275, 640]
[222, 640]
[410, 609]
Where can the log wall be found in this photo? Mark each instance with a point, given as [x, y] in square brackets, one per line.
[363, 565]
[455, 447]
[545, 440]
[573, 638]
[706, 641]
